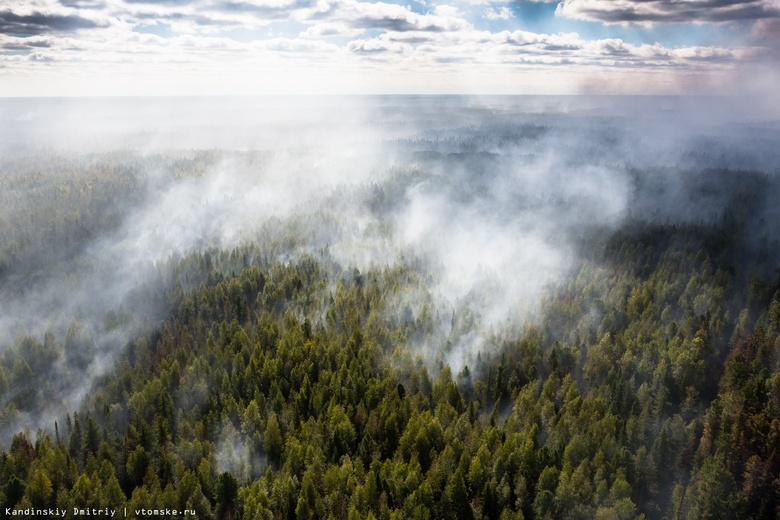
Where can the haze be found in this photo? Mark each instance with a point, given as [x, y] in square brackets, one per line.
[490, 194]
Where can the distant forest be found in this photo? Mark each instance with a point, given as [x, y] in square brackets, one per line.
[271, 378]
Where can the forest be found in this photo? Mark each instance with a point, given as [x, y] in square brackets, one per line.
[493, 314]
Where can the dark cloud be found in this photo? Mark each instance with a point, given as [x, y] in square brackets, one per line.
[25, 46]
[397, 24]
[667, 11]
[391, 24]
[518, 40]
[411, 40]
[767, 30]
[13, 24]
[615, 50]
[561, 47]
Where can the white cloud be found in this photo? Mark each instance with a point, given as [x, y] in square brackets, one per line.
[285, 44]
[495, 13]
[327, 30]
[384, 16]
[377, 47]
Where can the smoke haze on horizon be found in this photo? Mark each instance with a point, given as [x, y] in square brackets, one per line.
[490, 195]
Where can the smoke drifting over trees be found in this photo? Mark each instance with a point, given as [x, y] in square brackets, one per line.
[414, 288]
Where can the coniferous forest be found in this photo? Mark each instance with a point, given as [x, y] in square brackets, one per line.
[447, 311]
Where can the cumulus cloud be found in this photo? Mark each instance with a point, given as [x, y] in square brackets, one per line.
[376, 47]
[496, 13]
[667, 11]
[36, 23]
[327, 30]
[13, 43]
[534, 49]
[56, 41]
[387, 17]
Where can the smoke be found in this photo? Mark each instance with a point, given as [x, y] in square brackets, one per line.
[489, 197]
[238, 455]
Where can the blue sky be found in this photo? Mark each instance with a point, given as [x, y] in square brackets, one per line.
[169, 47]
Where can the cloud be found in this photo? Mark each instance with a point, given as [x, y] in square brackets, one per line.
[264, 9]
[84, 4]
[326, 30]
[535, 49]
[667, 11]
[494, 13]
[376, 47]
[323, 18]
[36, 23]
[767, 30]
[387, 17]
[252, 42]
[161, 2]
[298, 45]
[261, 5]
[11, 43]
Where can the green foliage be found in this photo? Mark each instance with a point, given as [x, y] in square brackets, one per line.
[304, 390]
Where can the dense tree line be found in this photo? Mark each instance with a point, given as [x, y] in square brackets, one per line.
[649, 387]
[272, 380]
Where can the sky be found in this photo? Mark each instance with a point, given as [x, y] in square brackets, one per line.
[250, 47]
